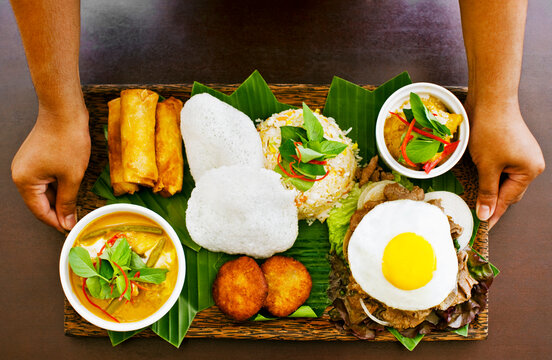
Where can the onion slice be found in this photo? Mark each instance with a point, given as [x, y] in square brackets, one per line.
[375, 319]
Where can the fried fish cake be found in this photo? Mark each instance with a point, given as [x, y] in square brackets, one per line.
[240, 288]
[289, 285]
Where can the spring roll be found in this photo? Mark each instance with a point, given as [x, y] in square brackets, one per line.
[119, 186]
[168, 147]
[138, 136]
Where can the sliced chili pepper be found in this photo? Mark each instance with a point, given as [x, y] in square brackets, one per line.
[126, 280]
[137, 275]
[297, 149]
[318, 162]
[93, 304]
[138, 286]
[420, 131]
[405, 141]
[449, 149]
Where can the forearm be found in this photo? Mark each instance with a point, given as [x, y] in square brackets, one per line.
[50, 31]
[493, 37]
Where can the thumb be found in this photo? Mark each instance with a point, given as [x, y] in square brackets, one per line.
[66, 201]
[511, 191]
[489, 180]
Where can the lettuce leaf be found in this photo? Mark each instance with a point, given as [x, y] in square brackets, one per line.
[338, 221]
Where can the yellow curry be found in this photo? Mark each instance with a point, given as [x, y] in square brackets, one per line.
[152, 253]
[395, 128]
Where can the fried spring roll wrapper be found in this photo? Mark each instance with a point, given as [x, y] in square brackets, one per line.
[120, 187]
[138, 136]
[168, 147]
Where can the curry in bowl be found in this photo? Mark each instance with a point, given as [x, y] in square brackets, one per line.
[422, 133]
[123, 267]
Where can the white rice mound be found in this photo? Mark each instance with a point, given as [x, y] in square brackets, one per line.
[316, 202]
[216, 134]
[240, 210]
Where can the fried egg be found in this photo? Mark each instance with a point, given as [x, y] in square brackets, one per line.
[402, 255]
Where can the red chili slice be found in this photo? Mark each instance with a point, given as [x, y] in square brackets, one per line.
[95, 305]
[405, 141]
[449, 149]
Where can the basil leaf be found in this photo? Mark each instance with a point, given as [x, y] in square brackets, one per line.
[106, 270]
[80, 262]
[150, 275]
[329, 147]
[420, 151]
[312, 125]
[408, 114]
[419, 111]
[299, 184]
[440, 128]
[136, 261]
[120, 252]
[121, 284]
[287, 150]
[107, 292]
[94, 287]
[308, 154]
[310, 169]
[293, 133]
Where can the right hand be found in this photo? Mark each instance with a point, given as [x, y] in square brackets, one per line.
[50, 164]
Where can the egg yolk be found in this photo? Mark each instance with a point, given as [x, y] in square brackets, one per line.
[408, 261]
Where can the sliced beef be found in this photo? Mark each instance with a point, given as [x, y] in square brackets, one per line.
[396, 191]
[368, 170]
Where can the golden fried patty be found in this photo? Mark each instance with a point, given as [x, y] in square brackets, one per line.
[240, 288]
[289, 285]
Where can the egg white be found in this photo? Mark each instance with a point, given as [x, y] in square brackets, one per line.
[377, 228]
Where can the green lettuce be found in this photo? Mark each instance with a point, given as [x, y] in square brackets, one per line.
[338, 221]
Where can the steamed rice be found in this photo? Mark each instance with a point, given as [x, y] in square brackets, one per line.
[316, 202]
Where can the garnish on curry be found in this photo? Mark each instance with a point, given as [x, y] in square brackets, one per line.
[123, 267]
[423, 136]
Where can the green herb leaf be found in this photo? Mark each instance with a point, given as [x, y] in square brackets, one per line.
[408, 114]
[310, 170]
[312, 125]
[287, 150]
[332, 148]
[81, 264]
[121, 253]
[419, 111]
[150, 275]
[121, 284]
[420, 151]
[136, 262]
[308, 154]
[293, 133]
[94, 286]
[106, 270]
[301, 185]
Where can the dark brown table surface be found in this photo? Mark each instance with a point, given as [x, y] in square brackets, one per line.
[292, 42]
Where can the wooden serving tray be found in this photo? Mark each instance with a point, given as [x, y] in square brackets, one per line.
[211, 323]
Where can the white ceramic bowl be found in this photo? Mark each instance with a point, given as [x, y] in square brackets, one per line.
[394, 102]
[66, 282]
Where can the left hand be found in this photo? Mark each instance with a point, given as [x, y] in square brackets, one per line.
[506, 154]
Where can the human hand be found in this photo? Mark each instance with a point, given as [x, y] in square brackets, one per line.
[50, 165]
[506, 154]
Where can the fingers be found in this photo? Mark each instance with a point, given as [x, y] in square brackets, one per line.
[37, 199]
[66, 201]
[511, 191]
[487, 197]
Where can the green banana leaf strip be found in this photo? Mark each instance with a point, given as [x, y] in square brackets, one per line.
[253, 97]
[463, 331]
[355, 107]
[409, 343]
[118, 337]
